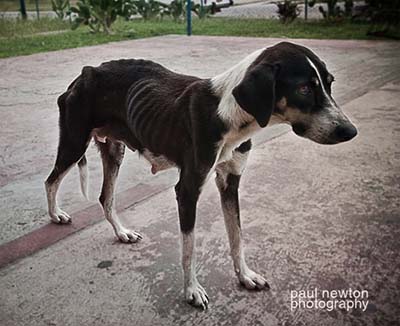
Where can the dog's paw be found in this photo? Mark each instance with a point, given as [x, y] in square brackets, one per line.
[60, 217]
[253, 281]
[128, 236]
[197, 296]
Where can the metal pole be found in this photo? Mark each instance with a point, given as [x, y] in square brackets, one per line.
[305, 9]
[23, 9]
[37, 9]
[69, 10]
[201, 8]
[189, 17]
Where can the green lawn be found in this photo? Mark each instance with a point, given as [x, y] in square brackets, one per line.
[16, 28]
[16, 36]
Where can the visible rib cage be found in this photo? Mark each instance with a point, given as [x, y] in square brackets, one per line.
[155, 119]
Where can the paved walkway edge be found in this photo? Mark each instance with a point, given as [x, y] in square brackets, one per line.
[51, 233]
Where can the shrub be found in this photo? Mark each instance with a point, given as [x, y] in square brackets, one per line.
[177, 10]
[61, 8]
[334, 12]
[99, 15]
[384, 16]
[203, 12]
[287, 11]
[150, 9]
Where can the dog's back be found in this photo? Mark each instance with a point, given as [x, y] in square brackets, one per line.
[107, 88]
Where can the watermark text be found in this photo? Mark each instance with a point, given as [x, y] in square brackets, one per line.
[344, 299]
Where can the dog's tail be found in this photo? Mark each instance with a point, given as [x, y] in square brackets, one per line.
[84, 176]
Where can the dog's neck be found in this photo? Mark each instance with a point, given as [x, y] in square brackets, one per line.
[223, 84]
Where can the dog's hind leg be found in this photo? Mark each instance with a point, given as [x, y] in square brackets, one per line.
[69, 153]
[83, 176]
[73, 141]
[227, 180]
[112, 154]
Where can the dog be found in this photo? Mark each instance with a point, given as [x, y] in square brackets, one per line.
[199, 126]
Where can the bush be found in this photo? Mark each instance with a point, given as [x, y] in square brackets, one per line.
[384, 16]
[287, 11]
[203, 12]
[177, 10]
[150, 9]
[99, 15]
[61, 8]
[334, 12]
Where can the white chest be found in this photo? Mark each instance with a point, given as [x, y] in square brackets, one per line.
[233, 139]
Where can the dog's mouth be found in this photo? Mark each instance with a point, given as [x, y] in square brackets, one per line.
[332, 138]
[300, 129]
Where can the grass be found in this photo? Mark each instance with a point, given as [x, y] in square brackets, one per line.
[16, 35]
[273, 28]
[16, 28]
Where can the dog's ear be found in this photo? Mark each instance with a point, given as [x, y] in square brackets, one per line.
[256, 92]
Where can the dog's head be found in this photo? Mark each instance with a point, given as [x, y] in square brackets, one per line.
[292, 83]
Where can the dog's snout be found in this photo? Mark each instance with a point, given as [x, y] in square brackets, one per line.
[344, 132]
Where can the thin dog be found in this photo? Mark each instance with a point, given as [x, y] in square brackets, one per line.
[200, 126]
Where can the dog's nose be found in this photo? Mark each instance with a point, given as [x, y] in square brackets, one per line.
[345, 132]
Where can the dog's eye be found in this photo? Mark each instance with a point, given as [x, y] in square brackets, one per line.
[304, 90]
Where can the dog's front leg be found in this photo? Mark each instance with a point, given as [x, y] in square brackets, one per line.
[187, 193]
[227, 180]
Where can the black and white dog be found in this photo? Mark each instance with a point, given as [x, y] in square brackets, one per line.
[198, 125]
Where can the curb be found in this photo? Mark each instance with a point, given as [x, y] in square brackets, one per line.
[51, 233]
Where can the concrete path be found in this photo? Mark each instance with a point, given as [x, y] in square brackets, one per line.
[29, 88]
[30, 85]
[313, 216]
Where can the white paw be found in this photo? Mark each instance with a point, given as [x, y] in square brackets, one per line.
[60, 217]
[253, 281]
[128, 236]
[197, 296]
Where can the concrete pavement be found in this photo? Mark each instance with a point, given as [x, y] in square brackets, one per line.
[313, 216]
[28, 146]
[30, 86]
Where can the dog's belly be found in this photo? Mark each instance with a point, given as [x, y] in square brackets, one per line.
[113, 133]
[158, 162]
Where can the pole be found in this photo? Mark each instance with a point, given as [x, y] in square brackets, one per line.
[201, 8]
[189, 17]
[305, 9]
[37, 9]
[23, 9]
[69, 10]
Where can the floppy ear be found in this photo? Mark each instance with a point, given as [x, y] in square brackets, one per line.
[256, 92]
